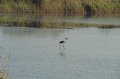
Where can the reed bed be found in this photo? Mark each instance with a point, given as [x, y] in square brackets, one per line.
[60, 6]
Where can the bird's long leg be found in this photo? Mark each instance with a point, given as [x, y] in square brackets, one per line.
[60, 44]
[63, 44]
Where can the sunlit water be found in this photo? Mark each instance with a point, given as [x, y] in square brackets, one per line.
[90, 53]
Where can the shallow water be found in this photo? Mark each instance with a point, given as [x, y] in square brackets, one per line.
[90, 53]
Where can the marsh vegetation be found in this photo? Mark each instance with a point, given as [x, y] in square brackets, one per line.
[62, 7]
[88, 51]
[55, 21]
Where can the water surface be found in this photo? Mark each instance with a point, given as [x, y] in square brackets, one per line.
[90, 53]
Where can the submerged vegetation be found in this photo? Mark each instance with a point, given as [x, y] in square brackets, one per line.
[60, 6]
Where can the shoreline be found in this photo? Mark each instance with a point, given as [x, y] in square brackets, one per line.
[69, 26]
[44, 20]
[66, 14]
[3, 75]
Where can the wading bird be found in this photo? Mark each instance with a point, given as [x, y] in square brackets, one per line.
[62, 42]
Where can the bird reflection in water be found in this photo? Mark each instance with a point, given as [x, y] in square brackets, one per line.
[62, 49]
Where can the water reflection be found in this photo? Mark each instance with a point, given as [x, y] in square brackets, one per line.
[89, 50]
[46, 21]
[62, 52]
[27, 32]
[62, 49]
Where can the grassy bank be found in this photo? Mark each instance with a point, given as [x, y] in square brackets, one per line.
[57, 25]
[60, 6]
[43, 21]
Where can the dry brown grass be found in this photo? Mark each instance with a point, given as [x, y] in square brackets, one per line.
[60, 6]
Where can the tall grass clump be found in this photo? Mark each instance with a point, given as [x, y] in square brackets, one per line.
[60, 6]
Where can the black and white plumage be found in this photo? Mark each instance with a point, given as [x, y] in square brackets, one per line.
[62, 42]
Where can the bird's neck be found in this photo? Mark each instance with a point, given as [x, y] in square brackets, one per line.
[65, 40]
